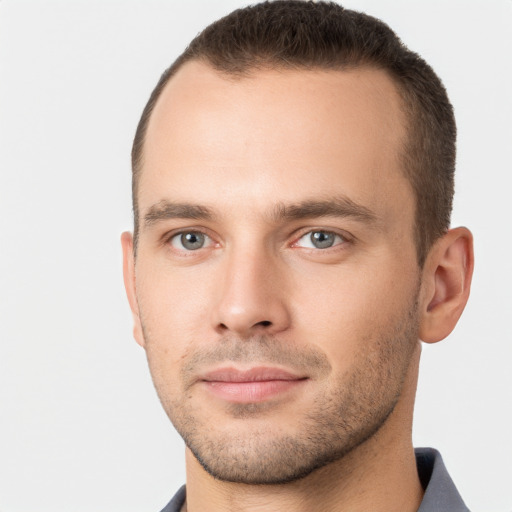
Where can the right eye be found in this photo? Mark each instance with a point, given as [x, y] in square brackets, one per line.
[190, 241]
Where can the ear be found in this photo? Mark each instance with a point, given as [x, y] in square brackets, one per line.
[445, 285]
[129, 284]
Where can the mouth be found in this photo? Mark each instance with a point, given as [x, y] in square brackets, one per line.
[252, 385]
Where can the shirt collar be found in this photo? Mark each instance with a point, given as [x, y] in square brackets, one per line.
[440, 491]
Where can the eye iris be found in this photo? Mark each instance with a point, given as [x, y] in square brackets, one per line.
[192, 241]
[322, 240]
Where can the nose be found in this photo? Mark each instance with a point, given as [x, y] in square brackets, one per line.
[252, 297]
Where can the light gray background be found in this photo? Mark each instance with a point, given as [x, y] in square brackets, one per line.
[80, 428]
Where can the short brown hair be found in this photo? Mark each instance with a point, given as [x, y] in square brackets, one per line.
[296, 34]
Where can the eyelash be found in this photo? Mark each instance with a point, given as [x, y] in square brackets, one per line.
[340, 240]
[176, 235]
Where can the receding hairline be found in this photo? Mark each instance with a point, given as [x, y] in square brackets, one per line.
[295, 34]
[268, 66]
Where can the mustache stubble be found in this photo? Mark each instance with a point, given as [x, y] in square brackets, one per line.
[263, 350]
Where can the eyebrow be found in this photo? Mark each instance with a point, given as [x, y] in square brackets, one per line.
[165, 210]
[332, 207]
[342, 207]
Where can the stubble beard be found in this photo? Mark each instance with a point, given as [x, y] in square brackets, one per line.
[351, 412]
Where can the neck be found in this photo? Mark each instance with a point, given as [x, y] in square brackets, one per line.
[379, 475]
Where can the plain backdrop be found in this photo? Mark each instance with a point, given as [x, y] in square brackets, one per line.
[81, 428]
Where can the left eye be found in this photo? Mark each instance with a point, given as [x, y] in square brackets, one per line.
[319, 240]
[190, 241]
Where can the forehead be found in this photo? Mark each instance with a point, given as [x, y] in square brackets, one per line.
[275, 134]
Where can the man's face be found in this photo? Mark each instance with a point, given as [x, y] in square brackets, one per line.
[276, 273]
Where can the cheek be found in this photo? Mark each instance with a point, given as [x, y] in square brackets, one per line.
[344, 310]
[174, 313]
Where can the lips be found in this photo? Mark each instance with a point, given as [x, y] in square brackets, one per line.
[252, 385]
[251, 375]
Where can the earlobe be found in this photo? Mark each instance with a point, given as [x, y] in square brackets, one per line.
[446, 283]
[129, 284]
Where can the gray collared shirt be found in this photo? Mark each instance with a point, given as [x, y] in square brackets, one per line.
[441, 495]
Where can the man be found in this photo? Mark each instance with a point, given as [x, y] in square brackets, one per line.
[292, 189]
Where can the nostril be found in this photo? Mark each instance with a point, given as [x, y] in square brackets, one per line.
[264, 323]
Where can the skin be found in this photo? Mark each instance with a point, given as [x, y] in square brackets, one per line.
[241, 158]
